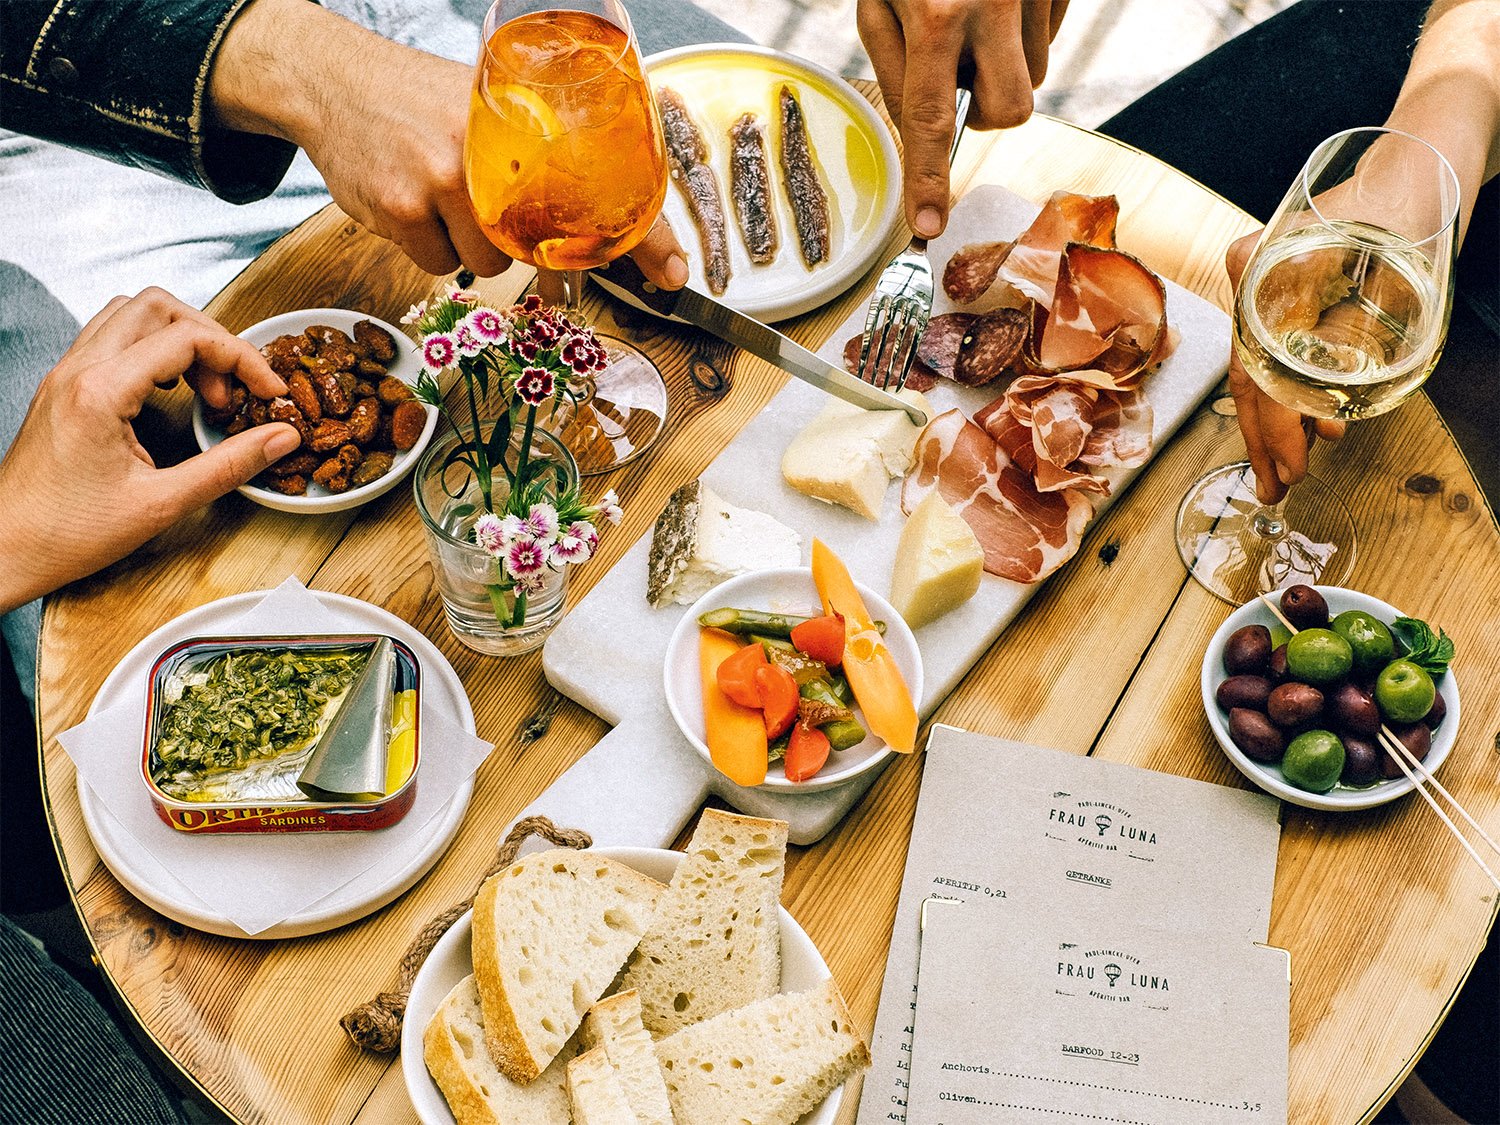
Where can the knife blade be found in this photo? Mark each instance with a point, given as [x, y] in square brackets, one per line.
[760, 340]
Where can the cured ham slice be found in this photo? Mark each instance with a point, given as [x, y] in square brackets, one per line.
[1025, 534]
[1109, 312]
[1065, 428]
[972, 270]
[1032, 264]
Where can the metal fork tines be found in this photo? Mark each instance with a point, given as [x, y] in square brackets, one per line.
[896, 320]
[902, 302]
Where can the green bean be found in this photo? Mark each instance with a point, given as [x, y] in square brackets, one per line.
[842, 733]
[754, 621]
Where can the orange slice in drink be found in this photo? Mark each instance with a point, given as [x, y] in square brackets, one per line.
[525, 111]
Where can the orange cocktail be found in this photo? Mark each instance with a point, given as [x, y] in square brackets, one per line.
[564, 158]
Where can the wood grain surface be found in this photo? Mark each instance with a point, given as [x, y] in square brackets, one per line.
[1381, 911]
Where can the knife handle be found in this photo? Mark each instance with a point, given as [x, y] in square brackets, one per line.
[624, 273]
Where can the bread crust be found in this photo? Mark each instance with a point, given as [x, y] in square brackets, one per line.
[445, 1063]
[502, 1033]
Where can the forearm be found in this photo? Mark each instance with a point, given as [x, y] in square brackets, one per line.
[261, 81]
[1451, 96]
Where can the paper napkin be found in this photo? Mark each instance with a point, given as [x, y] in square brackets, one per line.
[258, 881]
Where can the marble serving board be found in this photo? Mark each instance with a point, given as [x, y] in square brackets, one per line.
[643, 781]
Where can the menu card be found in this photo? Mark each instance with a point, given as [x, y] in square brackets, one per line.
[1040, 834]
[1104, 1020]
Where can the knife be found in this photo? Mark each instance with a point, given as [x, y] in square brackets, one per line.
[689, 305]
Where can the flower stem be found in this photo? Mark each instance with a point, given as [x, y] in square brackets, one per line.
[482, 466]
[503, 613]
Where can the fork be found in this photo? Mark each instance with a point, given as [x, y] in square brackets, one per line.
[902, 302]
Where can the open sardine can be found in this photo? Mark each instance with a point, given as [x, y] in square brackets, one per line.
[296, 733]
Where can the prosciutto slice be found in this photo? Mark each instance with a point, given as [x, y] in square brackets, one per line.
[1108, 312]
[1032, 264]
[1025, 534]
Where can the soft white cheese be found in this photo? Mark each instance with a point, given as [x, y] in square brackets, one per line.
[727, 541]
[938, 563]
[847, 455]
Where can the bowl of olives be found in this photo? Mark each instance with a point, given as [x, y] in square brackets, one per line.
[1300, 713]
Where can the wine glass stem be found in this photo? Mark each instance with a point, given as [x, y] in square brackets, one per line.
[572, 283]
[1270, 521]
[572, 289]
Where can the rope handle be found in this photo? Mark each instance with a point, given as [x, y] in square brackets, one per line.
[376, 1024]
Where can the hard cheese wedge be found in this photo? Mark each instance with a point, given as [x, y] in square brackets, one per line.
[736, 735]
[938, 563]
[848, 455]
[878, 685]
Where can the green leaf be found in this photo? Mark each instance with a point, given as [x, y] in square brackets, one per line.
[427, 389]
[1423, 648]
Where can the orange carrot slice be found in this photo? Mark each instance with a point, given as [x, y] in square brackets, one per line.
[873, 673]
[736, 735]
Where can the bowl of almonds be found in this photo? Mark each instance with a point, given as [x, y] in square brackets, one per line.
[349, 394]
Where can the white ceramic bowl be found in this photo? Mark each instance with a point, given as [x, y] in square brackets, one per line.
[1340, 798]
[802, 967]
[407, 367]
[786, 590]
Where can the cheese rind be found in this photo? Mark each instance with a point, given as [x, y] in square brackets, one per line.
[938, 563]
[847, 455]
[700, 540]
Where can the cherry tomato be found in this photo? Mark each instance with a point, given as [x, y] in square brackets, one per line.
[736, 675]
[805, 753]
[822, 638]
[778, 698]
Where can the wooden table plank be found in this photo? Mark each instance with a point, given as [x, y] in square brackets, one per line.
[1104, 659]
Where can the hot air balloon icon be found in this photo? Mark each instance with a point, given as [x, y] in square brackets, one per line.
[1103, 822]
[1112, 971]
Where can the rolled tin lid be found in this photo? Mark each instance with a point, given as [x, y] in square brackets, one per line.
[349, 762]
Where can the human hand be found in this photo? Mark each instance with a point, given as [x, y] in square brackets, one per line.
[1277, 438]
[920, 48]
[79, 489]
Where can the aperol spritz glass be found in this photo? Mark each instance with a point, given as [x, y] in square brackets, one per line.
[566, 170]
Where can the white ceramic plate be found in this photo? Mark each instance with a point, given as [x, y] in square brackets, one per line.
[1340, 798]
[786, 590]
[861, 172]
[407, 367]
[802, 967]
[143, 876]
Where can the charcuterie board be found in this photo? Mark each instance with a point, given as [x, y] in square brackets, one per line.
[640, 784]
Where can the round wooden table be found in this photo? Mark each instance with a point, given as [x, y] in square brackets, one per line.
[1382, 912]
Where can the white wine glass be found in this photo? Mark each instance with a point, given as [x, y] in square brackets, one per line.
[1341, 313]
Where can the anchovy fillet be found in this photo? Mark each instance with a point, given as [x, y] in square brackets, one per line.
[803, 189]
[688, 155]
[750, 187]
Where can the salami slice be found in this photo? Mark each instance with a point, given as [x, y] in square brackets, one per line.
[990, 346]
[920, 378]
[973, 269]
[938, 348]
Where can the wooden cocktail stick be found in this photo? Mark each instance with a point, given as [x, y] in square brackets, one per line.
[1398, 751]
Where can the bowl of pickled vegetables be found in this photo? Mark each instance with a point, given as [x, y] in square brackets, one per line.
[778, 689]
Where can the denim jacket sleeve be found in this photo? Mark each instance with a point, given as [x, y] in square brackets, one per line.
[128, 80]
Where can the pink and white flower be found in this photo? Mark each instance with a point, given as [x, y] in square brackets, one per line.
[609, 507]
[525, 558]
[541, 523]
[584, 530]
[487, 325]
[439, 351]
[535, 385]
[531, 583]
[466, 341]
[461, 296]
[570, 550]
[415, 313]
[512, 527]
[489, 533]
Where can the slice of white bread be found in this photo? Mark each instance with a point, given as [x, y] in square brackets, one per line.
[614, 1025]
[477, 1093]
[550, 935]
[596, 1093]
[766, 1064]
[716, 941]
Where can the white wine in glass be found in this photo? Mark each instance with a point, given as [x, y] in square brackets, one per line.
[1341, 313]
